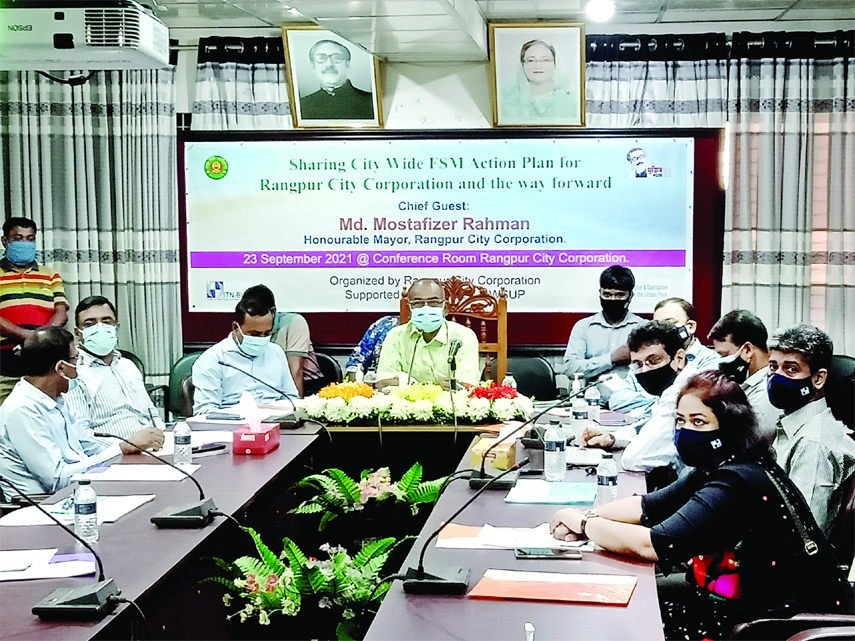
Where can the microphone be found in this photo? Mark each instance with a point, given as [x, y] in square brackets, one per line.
[480, 478]
[88, 603]
[454, 347]
[452, 580]
[197, 514]
[297, 422]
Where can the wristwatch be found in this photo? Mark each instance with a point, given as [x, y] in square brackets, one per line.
[587, 514]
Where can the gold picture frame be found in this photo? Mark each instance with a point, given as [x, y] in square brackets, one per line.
[333, 93]
[538, 74]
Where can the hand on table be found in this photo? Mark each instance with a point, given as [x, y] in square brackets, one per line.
[149, 438]
[594, 437]
[566, 524]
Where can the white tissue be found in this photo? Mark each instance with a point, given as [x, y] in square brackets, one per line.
[249, 410]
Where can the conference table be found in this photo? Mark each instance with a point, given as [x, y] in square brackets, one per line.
[407, 616]
[144, 560]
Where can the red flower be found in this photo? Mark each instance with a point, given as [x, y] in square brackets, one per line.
[492, 391]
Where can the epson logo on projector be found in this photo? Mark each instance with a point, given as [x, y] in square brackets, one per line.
[20, 27]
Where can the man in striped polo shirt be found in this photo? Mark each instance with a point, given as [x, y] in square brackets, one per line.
[31, 296]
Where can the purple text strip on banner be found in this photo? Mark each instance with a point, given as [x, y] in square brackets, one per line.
[486, 258]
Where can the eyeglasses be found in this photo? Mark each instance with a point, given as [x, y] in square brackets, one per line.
[651, 362]
[321, 58]
[543, 61]
[430, 302]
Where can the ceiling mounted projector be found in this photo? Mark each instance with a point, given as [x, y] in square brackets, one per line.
[47, 35]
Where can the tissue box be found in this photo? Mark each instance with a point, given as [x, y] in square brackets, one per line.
[262, 441]
[501, 458]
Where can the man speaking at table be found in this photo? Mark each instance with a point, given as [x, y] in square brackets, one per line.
[243, 361]
[419, 350]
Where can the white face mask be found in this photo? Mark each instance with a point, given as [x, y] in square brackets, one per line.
[253, 345]
[72, 382]
[100, 339]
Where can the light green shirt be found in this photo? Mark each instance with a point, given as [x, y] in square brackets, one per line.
[405, 351]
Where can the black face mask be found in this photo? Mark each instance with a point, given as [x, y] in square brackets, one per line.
[615, 310]
[700, 449]
[656, 381]
[735, 368]
[789, 394]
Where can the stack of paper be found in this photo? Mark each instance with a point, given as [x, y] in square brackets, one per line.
[110, 510]
[489, 537]
[605, 589]
[153, 472]
[22, 565]
[544, 492]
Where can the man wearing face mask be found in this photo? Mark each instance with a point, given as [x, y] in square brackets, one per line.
[814, 449]
[660, 367]
[31, 296]
[739, 337]
[42, 442]
[418, 351]
[245, 351]
[597, 344]
[111, 396]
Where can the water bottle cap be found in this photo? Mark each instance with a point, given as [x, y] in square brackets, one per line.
[84, 482]
[554, 421]
[608, 455]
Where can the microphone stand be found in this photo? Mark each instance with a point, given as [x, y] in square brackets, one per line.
[480, 478]
[297, 422]
[197, 514]
[452, 580]
[452, 379]
[87, 603]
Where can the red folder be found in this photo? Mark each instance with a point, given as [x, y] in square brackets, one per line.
[602, 589]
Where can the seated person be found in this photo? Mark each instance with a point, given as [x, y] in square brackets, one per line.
[628, 396]
[228, 369]
[814, 448]
[418, 351]
[291, 333]
[727, 507]
[660, 367]
[739, 337]
[42, 443]
[597, 343]
[111, 395]
[366, 355]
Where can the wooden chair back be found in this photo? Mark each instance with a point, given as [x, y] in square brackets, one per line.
[466, 302]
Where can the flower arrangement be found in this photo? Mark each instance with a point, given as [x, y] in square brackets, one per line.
[338, 494]
[271, 584]
[421, 403]
[347, 390]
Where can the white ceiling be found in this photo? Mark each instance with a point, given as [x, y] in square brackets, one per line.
[440, 30]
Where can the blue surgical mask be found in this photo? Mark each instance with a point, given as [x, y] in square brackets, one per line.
[21, 252]
[100, 339]
[427, 319]
[253, 345]
[72, 382]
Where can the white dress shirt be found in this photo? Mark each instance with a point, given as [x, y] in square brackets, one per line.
[220, 386]
[42, 444]
[111, 398]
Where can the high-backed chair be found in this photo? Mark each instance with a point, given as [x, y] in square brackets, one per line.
[181, 372]
[842, 533]
[840, 389]
[533, 374]
[331, 371]
[786, 628]
[465, 302]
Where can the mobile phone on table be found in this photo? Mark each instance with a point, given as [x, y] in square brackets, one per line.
[208, 447]
[547, 553]
[223, 416]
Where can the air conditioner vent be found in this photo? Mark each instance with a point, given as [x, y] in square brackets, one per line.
[112, 28]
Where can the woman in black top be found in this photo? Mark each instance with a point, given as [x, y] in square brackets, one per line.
[753, 547]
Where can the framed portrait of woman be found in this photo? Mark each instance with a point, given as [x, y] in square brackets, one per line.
[331, 82]
[538, 74]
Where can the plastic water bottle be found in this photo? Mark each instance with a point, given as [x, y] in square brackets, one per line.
[359, 375]
[607, 474]
[509, 380]
[183, 447]
[554, 454]
[592, 398]
[86, 511]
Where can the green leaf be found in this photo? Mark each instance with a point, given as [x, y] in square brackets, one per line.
[346, 485]
[320, 583]
[297, 563]
[372, 550]
[270, 560]
[427, 492]
[250, 565]
[344, 631]
[225, 565]
[320, 482]
[226, 582]
[366, 473]
[411, 478]
[325, 520]
[373, 566]
[308, 507]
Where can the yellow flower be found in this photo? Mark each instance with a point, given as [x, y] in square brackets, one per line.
[418, 392]
[346, 390]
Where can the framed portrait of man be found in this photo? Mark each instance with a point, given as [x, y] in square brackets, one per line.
[538, 74]
[331, 82]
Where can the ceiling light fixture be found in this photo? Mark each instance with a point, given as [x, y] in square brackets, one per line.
[600, 10]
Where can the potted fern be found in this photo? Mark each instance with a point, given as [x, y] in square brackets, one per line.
[372, 507]
[340, 590]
